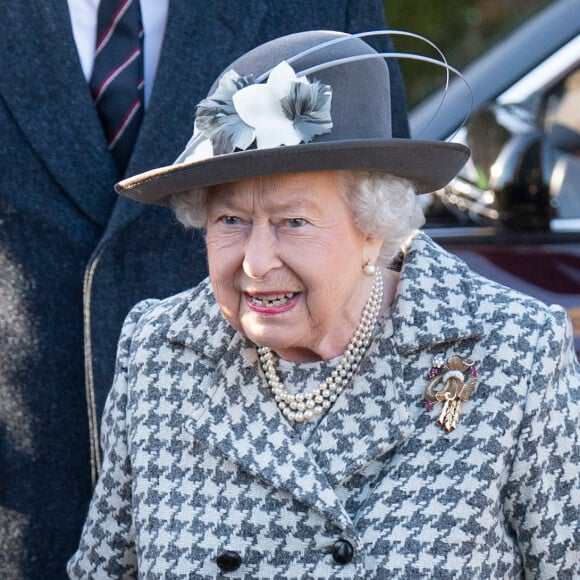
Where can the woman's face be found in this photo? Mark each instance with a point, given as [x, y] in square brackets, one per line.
[285, 262]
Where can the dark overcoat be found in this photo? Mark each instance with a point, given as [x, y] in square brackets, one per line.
[74, 258]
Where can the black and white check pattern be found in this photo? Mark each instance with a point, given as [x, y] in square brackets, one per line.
[199, 459]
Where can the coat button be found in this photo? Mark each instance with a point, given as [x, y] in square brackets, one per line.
[229, 561]
[342, 551]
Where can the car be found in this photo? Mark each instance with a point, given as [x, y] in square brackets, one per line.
[513, 213]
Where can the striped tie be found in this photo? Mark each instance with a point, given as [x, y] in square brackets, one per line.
[117, 80]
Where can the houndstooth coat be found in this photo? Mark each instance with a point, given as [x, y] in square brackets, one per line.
[204, 478]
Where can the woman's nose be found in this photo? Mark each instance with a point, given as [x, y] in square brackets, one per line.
[260, 252]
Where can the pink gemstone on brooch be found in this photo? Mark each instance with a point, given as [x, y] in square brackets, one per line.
[433, 372]
[429, 406]
[474, 372]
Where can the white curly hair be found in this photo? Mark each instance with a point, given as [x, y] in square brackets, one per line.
[382, 205]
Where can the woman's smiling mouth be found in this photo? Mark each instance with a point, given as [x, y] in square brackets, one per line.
[261, 302]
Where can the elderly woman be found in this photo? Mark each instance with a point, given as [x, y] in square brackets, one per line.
[341, 398]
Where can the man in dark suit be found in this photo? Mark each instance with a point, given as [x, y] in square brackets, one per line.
[74, 258]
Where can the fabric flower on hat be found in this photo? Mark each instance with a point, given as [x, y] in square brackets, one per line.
[218, 120]
[286, 110]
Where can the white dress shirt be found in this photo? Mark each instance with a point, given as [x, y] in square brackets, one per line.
[83, 14]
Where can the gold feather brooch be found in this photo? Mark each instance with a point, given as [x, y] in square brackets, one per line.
[454, 388]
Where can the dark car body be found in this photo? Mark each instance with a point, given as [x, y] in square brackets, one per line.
[513, 213]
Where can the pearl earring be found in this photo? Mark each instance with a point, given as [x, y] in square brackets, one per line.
[369, 269]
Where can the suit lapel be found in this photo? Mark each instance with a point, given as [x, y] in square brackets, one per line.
[55, 112]
[201, 39]
[168, 121]
[199, 42]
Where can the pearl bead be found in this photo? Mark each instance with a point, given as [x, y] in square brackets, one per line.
[369, 269]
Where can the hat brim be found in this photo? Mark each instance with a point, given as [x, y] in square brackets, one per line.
[430, 165]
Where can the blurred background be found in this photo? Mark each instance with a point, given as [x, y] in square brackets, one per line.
[462, 29]
[513, 213]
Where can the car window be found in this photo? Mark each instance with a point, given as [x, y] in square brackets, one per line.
[560, 116]
[561, 113]
[524, 172]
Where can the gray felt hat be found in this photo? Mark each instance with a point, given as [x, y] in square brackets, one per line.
[258, 121]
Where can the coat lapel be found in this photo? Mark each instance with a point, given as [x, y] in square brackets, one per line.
[436, 302]
[235, 415]
[55, 112]
[238, 418]
[435, 308]
[369, 419]
[243, 423]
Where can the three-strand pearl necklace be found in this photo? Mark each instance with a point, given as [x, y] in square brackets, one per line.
[301, 407]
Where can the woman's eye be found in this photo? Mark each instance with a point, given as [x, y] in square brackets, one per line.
[231, 220]
[296, 222]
